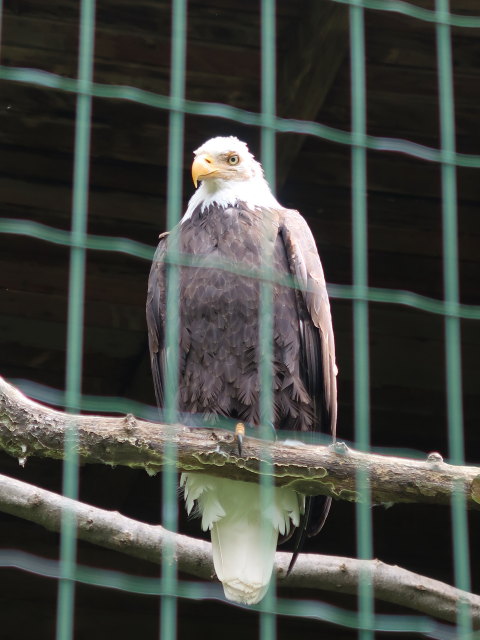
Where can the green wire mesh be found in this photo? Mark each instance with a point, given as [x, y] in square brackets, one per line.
[168, 615]
[364, 534]
[268, 102]
[76, 288]
[68, 571]
[451, 293]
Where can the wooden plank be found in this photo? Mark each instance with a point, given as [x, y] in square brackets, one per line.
[396, 271]
[419, 82]
[215, 56]
[469, 7]
[223, 18]
[391, 173]
[35, 166]
[103, 372]
[401, 241]
[121, 343]
[401, 418]
[111, 209]
[307, 71]
[99, 314]
[117, 285]
[406, 348]
[52, 198]
[239, 91]
[394, 261]
[396, 41]
[33, 122]
[396, 223]
[404, 100]
[100, 381]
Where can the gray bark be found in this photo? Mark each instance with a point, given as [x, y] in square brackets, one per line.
[28, 428]
[114, 531]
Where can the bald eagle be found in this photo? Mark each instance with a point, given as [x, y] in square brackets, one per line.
[232, 216]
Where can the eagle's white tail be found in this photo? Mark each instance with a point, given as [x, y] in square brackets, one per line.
[244, 537]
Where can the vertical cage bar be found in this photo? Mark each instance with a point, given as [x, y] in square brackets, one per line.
[268, 97]
[76, 293]
[452, 298]
[360, 310]
[168, 609]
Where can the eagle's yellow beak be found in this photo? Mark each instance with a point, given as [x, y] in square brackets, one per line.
[202, 166]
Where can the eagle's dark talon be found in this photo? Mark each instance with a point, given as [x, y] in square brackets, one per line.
[239, 433]
[239, 444]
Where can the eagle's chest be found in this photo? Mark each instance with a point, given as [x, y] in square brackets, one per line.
[231, 239]
[229, 235]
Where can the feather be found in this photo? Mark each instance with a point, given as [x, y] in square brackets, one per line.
[233, 216]
[244, 536]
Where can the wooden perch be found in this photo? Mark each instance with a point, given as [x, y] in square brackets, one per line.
[112, 530]
[28, 428]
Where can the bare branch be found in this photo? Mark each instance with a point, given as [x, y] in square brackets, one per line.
[28, 428]
[112, 530]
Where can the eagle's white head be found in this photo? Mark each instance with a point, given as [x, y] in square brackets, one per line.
[228, 173]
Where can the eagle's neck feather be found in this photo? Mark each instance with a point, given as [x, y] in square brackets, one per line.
[254, 192]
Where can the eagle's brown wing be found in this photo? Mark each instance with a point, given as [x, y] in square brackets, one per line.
[307, 270]
[156, 304]
[317, 345]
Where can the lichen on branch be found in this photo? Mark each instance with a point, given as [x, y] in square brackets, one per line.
[28, 428]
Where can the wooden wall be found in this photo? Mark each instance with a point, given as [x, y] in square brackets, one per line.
[128, 172]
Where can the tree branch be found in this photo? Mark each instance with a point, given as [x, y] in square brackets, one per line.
[28, 428]
[112, 530]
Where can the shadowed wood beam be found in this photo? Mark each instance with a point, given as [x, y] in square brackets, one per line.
[307, 71]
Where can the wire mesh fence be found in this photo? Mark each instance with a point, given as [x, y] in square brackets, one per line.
[169, 587]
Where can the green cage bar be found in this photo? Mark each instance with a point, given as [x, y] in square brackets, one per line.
[68, 543]
[268, 109]
[360, 311]
[168, 613]
[452, 297]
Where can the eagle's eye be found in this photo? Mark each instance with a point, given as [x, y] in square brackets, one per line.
[233, 159]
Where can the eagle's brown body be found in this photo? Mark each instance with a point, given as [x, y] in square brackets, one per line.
[219, 342]
[234, 221]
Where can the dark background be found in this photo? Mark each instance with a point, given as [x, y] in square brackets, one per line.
[128, 172]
